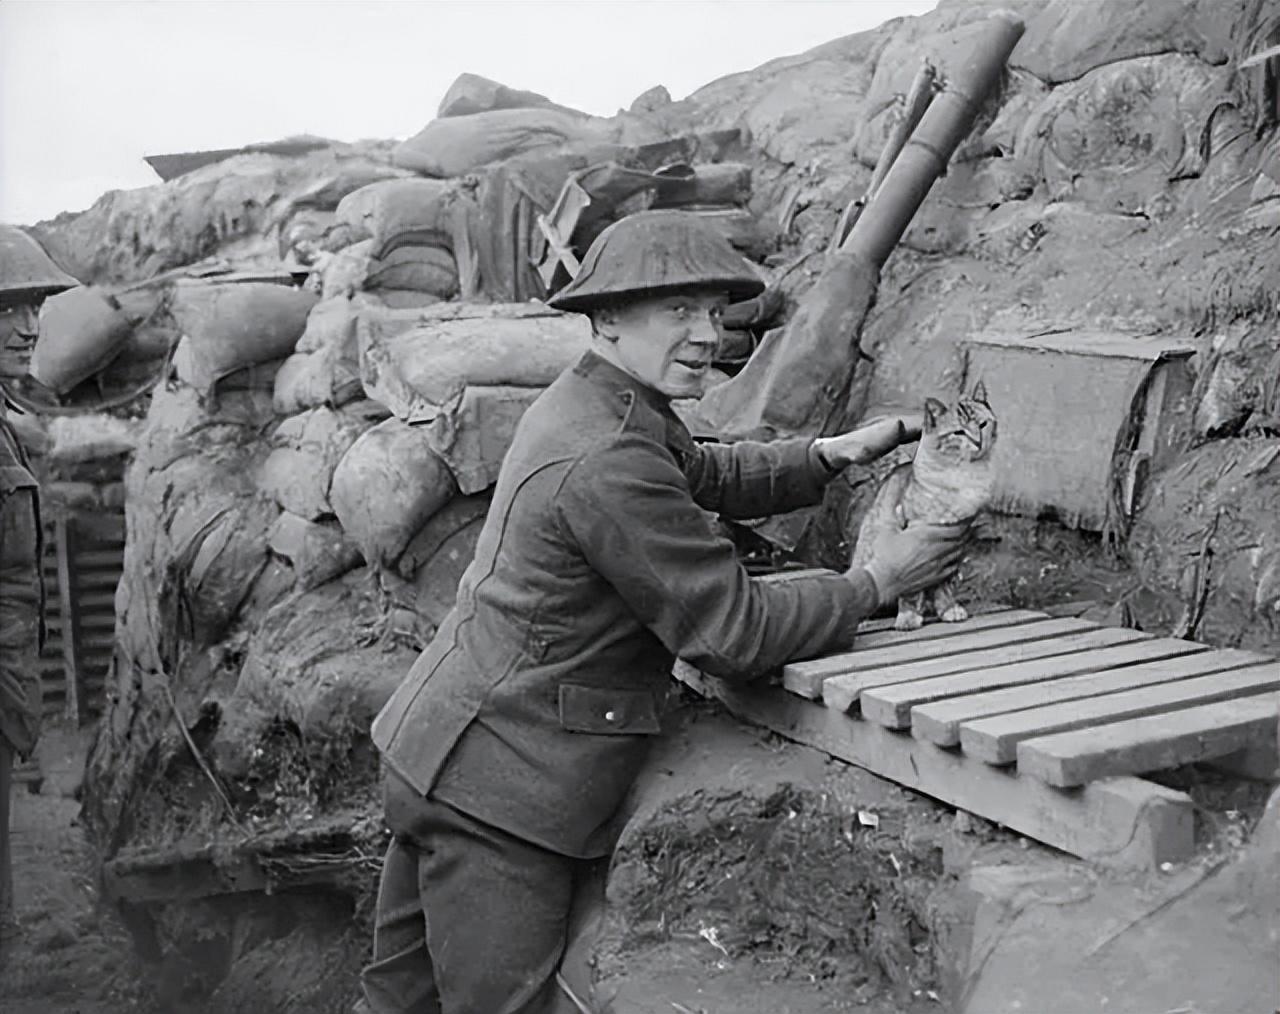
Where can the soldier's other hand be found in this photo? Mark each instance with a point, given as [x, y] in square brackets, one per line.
[910, 559]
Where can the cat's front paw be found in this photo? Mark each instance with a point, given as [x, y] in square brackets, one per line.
[908, 620]
[955, 614]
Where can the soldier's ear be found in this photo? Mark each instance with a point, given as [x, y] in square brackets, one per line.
[604, 323]
[980, 394]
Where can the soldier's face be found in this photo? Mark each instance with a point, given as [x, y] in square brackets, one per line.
[18, 329]
[666, 342]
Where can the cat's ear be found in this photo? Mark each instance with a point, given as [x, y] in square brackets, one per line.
[980, 393]
[933, 411]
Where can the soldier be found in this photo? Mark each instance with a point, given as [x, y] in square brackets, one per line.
[516, 734]
[21, 629]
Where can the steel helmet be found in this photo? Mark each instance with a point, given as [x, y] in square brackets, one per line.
[27, 273]
[654, 251]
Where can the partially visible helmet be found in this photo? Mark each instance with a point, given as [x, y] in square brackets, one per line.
[656, 251]
[27, 274]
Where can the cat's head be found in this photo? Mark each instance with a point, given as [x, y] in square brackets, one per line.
[959, 433]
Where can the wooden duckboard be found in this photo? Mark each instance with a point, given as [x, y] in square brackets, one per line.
[1079, 711]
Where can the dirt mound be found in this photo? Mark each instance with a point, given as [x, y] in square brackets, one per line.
[1206, 545]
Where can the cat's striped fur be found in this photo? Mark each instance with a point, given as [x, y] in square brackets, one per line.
[950, 480]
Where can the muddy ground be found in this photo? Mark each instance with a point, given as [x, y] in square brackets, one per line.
[745, 883]
[66, 954]
[755, 876]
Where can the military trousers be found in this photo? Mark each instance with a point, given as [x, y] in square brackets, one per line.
[472, 920]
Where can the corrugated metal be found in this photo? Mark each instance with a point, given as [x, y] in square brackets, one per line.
[94, 563]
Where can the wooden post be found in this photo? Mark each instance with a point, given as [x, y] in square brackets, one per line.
[65, 542]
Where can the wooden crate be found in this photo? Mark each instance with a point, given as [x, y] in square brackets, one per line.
[1043, 724]
[1083, 417]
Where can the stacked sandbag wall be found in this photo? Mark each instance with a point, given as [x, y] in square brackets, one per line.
[309, 487]
[198, 526]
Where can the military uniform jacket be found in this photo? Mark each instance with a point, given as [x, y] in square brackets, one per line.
[21, 597]
[535, 704]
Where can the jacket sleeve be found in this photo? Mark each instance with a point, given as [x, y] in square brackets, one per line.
[20, 607]
[753, 480]
[629, 509]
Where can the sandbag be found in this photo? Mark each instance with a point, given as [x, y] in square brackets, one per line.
[311, 379]
[471, 93]
[219, 547]
[255, 377]
[302, 234]
[317, 551]
[406, 212]
[298, 472]
[353, 218]
[231, 326]
[457, 145]
[81, 331]
[474, 435]
[332, 322]
[310, 662]
[426, 269]
[404, 299]
[386, 487]
[752, 237]
[79, 439]
[342, 274]
[439, 555]
[715, 184]
[147, 343]
[325, 369]
[417, 367]
[330, 190]
[299, 385]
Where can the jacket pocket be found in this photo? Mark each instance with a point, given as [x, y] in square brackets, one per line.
[608, 711]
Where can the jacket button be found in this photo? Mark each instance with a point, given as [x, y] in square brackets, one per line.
[609, 716]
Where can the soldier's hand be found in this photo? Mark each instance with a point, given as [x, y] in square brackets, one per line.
[905, 560]
[869, 441]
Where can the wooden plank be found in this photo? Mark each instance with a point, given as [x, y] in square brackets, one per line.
[995, 739]
[88, 620]
[101, 559]
[1152, 743]
[935, 628]
[805, 678]
[1115, 821]
[892, 705]
[842, 692]
[64, 537]
[98, 641]
[98, 582]
[1114, 646]
[99, 600]
[939, 722]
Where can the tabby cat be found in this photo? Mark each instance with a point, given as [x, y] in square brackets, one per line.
[949, 481]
